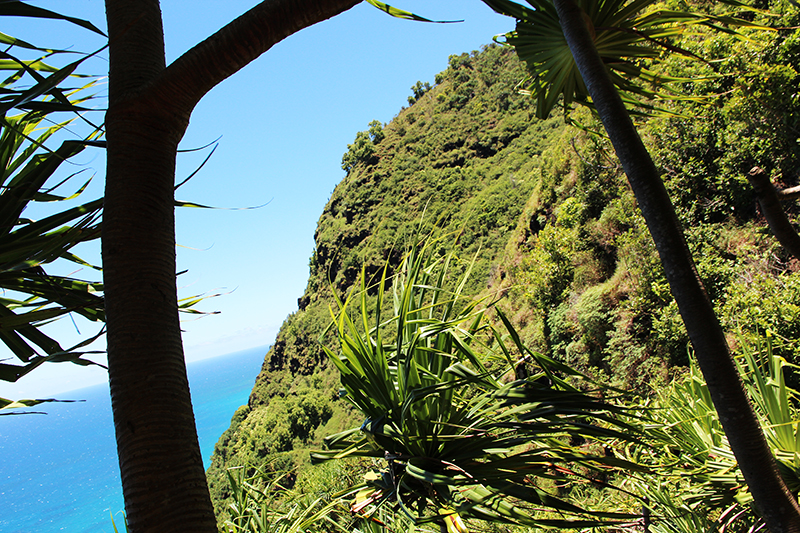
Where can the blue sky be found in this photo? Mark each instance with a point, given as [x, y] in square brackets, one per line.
[283, 124]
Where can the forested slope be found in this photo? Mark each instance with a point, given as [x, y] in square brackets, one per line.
[458, 163]
[546, 210]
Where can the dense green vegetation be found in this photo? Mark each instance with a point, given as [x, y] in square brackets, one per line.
[554, 226]
[464, 143]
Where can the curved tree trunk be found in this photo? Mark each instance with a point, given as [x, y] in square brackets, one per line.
[770, 201]
[163, 479]
[747, 441]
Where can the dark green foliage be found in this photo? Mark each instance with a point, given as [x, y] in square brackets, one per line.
[448, 427]
[37, 106]
[363, 148]
[752, 118]
[744, 114]
[431, 159]
[361, 151]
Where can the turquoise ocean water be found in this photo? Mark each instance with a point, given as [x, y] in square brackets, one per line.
[59, 471]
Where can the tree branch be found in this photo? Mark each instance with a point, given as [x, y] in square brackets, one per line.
[770, 200]
[792, 193]
[191, 76]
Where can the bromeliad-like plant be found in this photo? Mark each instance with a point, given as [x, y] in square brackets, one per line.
[700, 487]
[261, 505]
[453, 432]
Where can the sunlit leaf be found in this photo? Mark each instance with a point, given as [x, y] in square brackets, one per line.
[399, 13]
[16, 8]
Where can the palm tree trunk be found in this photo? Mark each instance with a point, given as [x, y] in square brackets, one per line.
[163, 480]
[747, 441]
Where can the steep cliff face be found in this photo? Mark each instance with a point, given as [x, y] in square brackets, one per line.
[545, 211]
[456, 162]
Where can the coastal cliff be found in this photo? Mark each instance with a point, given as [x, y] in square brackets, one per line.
[545, 211]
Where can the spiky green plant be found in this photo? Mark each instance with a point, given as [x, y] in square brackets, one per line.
[699, 486]
[33, 98]
[32, 297]
[452, 431]
[261, 505]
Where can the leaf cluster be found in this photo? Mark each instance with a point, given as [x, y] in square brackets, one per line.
[28, 169]
[630, 37]
[451, 434]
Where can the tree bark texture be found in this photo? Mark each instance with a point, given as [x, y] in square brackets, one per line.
[150, 104]
[742, 429]
[770, 201]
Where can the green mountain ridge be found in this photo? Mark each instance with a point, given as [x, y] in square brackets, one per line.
[404, 181]
[546, 213]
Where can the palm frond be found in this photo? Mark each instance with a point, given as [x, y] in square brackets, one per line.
[629, 35]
